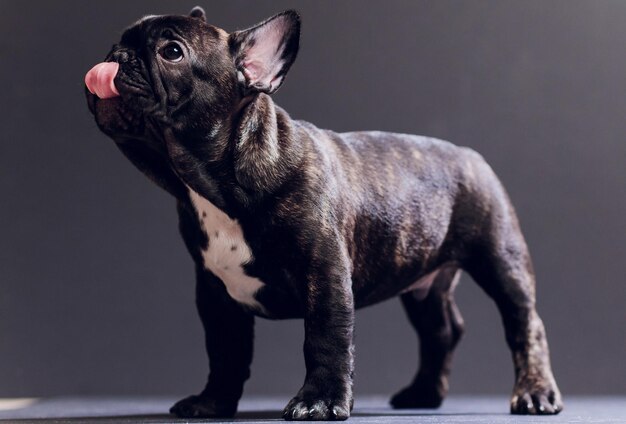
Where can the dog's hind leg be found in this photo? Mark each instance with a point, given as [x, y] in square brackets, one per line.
[501, 265]
[439, 326]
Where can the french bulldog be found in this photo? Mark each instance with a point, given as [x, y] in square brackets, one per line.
[286, 220]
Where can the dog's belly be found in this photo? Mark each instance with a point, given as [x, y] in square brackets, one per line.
[227, 252]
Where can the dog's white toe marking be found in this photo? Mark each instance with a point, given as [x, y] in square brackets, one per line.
[227, 251]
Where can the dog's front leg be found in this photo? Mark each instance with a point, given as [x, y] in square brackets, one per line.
[229, 337]
[328, 347]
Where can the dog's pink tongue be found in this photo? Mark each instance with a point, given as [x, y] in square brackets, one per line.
[99, 80]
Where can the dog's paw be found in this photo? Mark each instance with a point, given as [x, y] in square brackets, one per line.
[312, 408]
[203, 407]
[418, 396]
[536, 401]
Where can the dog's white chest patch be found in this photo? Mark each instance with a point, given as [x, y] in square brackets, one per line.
[227, 251]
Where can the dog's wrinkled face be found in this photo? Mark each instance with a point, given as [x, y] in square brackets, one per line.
[181, 73]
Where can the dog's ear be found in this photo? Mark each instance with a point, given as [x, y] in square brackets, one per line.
[264, 53]
[198, 13]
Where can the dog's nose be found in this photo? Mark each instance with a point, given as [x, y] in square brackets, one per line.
[119, 56]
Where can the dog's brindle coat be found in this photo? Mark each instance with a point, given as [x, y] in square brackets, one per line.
[316, 223]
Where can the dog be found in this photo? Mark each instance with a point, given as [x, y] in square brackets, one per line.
[286, 220]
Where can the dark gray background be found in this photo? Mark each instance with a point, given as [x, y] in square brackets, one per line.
[96, 289]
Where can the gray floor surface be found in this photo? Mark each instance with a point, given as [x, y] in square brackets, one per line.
[372, 409]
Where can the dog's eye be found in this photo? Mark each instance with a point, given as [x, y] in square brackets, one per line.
[172, 52]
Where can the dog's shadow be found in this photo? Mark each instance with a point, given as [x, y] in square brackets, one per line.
[243, 416]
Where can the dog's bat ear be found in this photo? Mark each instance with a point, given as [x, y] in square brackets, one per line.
[198, 13]
[264, 53]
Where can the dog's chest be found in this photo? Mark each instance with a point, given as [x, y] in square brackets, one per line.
[227, 251]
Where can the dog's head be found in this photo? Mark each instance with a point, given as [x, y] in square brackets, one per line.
[181, 73]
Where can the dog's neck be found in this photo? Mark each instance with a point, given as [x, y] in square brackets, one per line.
[266, 150]
[240, 160]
